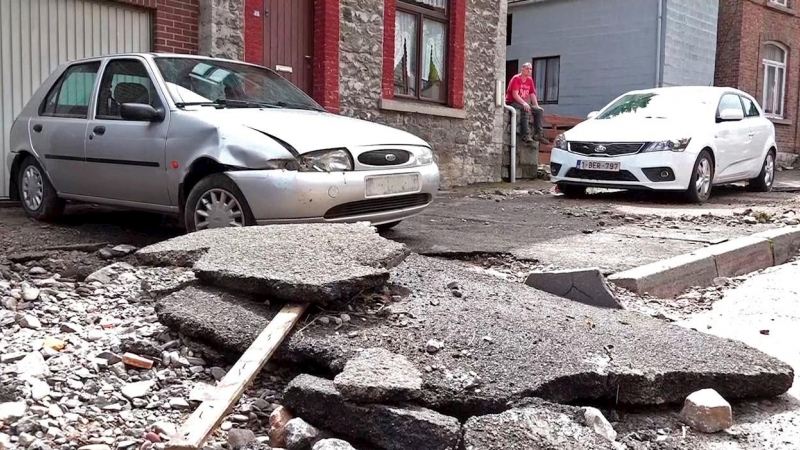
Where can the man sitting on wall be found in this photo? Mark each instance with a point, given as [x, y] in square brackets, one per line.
[520, 90]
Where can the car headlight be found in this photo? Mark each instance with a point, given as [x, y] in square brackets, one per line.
[336, 160]
[560, 142]
[672, 145]
[425, 156]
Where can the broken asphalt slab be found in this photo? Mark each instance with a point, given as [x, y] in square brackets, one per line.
[504, 341]
[316, 263]
[587, 286]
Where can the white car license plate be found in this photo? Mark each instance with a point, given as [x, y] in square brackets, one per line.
[605, 166]
[392, 184]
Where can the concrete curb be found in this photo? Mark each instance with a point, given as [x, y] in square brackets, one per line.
[670, 277]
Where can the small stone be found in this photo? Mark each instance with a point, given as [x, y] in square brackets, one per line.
[33, 365]
[11, 357]
[166, 428]
[226, 426]
[218, 373]
[25, 440]
[434, 346]
[95, 447]
[152, 437]
[137, 390]
[750, 220]
[110, 358]
[55, 411]
[126, 444]
[39, 389]
[71, 328]
[137, 361]
[277, 426]
[324, 320]
[707, 411]
[122, 250]
[345, 318]
[238, 438]
[29, 321]
[600, 425]
[352, 334]
[332, 444]
[31, 294]
[12, 411]
[95, 335]
[764, 332]
[240, 418]
[300, 435]
[178, 403]
[457, 293]
[55, 344]
[454, 285]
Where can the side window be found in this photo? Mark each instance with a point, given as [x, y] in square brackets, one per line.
[729, 101]
[750, 109]
[72, 93]
[124, 81]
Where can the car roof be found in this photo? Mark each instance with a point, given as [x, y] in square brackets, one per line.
[153, 55]
[701, 91]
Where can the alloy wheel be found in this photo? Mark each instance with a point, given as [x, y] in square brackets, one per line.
[32, 188]
[703, 183]
[769, 169]
[217, 208]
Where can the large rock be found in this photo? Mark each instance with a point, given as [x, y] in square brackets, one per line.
[388, 427]
[332, 444]
[379, 376]
[504, 340]
[707, 411]
[538, 425]
[300, 263]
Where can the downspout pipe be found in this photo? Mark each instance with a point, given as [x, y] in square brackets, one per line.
[512, 169]
[658, 42]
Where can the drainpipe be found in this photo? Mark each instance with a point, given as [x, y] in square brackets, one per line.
[658, 42]
[512, 169]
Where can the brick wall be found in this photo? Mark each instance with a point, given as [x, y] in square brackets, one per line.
[176, 24]
[744, 26]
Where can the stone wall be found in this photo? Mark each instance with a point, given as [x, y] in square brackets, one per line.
[469, 149]
[222, 28]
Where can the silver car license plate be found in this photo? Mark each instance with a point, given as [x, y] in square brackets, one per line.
[380, 185]
[605, 166]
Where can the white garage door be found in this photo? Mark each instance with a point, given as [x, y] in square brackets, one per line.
[37, 35]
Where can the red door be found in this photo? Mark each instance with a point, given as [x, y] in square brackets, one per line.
[288, 45]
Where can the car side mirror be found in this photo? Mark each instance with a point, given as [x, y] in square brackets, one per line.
[592, 114]
[731, 115]
[140, 112]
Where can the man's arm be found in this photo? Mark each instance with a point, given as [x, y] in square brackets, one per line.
[520, 100]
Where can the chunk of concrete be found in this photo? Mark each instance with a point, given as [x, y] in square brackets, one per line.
[538, 425]
[598, 422]
[333, 444]
[785, 243]
[707, 411]
[388, 427]
[299, 263]
[739, 256]
[587, 286]
[670, 277]
[379, 376]
[582, 352]
[300, 435]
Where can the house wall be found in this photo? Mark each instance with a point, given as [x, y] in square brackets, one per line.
[690, 42]
[744, 26]
[606, 47]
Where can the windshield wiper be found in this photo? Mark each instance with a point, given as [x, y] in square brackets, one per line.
[283, 104]
[232, 103]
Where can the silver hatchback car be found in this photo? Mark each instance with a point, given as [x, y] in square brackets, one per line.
[220, 143]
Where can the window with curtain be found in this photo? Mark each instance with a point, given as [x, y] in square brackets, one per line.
[420, 49]
[774, 63]
[546, 73]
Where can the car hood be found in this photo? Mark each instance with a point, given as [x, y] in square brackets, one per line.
[307, 131]
[630, 130]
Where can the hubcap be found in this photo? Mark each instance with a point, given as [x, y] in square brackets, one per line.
[703, 183]
[217, 208]
[769, 169]
[32, 188]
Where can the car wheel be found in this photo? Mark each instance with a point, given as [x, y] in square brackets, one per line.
[38, 197]
[767, 176]
[216, 202]
[387, 226]
[702, 176]
[571, 190]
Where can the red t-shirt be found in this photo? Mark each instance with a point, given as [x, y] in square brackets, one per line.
[525, 88]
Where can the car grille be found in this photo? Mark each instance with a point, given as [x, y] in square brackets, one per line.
[377, 205]
[622, 175]
[384, 157]
[589, 148]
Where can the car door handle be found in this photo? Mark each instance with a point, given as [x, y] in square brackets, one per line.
[38, 128]
[99, 130]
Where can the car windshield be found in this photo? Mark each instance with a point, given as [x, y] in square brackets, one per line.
[195, 81]
[653, 105]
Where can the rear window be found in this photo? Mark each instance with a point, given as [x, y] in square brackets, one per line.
[71, 95]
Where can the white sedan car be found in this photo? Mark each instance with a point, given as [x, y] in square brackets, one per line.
[672, 139]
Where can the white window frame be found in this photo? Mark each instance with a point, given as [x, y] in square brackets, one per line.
[783, 3]
[767, 63]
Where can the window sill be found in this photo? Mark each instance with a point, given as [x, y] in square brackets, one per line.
[779, 120]
[421, 108]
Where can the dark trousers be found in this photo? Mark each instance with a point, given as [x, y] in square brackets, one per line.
[524, 119]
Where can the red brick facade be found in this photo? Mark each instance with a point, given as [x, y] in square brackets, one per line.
[176, 24]
[744, 28]
[326, 54]
[455, 51]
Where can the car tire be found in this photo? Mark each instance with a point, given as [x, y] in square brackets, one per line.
[571, 190]
[387, 226]
[702, 178]
[38, 197]
[766, 178]
[213, 190]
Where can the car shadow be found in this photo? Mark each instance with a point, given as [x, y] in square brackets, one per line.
[118, 225]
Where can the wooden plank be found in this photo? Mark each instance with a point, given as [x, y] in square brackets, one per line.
[199, 426]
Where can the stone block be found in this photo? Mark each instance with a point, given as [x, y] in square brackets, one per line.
[785, 243]
[739, 256]
[379, 376]
[587, 286]
[707, 411]
[670, 277]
